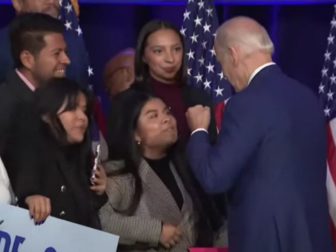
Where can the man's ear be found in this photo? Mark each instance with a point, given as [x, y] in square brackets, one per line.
[17, 5]
[27, 59]
[234, 55]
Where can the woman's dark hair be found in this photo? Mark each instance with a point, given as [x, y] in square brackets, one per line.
[50, 99]
[131, 103]
[141, 68]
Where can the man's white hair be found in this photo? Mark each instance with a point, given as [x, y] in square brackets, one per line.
[251, 37]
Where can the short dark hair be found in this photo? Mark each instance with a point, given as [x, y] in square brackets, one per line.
[51, 97]
[27, 32]
[141, 68]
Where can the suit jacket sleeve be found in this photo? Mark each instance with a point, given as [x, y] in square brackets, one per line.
[7, 112]
[131, 229]
[217, 167]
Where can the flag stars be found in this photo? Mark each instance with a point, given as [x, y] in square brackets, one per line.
[190, 54]
[79, 31]
[324, 72]
[183, 31]
[321, 88]
[219, 91]
[198, 21]
[327, 55]
[201, 61]
[207, 84]
[209, 12]
[333, 79]
[90, 71]
[186, 15]
[333, 23]
[210, 68]
[330, 95]
[68, 25]
[334, 62]
[206, 27]
[331, 39]
[198, 77]
[194, 38]
[204, 44]
[221, 75]
[189, 71]
[326, 111]
[68, 8]
[200, 4]
[212, 51]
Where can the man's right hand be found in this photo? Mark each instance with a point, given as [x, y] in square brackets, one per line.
[170, 235]
[39, 207]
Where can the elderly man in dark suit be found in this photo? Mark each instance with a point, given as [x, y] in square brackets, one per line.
[271, 153]
[39, 53]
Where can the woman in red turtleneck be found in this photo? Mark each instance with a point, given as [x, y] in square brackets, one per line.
[160, 69]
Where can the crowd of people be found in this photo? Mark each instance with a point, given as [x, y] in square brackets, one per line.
[172, 180]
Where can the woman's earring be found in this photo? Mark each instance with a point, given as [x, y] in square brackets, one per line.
[138, 142]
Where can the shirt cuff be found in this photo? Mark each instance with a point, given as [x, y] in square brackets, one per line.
[199, 129]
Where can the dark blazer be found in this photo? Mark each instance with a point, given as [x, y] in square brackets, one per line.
[63, 174]
[271, 159]
[15, 99]
[14, 94]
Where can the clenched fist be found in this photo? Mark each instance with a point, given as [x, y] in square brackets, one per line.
[198, 117]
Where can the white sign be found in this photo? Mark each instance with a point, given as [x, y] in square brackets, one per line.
[18, 233]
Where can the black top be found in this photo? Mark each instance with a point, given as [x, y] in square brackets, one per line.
[162, 169]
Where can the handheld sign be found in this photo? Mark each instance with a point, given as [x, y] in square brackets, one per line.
[19, 233]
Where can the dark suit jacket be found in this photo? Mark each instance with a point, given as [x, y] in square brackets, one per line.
[271, 159]
[62, 174]
[15, 99]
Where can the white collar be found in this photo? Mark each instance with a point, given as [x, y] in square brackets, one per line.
[254, 73]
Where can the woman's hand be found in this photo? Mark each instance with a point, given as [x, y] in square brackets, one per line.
[170, 235]
[39, 207]
[99, 181]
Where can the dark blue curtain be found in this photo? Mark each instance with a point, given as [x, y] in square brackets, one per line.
[298, 31]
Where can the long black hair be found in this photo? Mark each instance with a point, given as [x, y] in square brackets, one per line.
[50, 99]
[131, 103]
[141, 68]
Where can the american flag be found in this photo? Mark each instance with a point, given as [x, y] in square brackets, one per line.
[327, 89]
[83, 72]
[200, 23]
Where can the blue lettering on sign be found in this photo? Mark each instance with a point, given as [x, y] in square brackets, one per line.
[50, 249]
[5, 237]
[17, 241]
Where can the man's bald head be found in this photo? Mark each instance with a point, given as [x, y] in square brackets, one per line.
[245, 32]
[119, 72]
[242, 45]
[49, 7]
